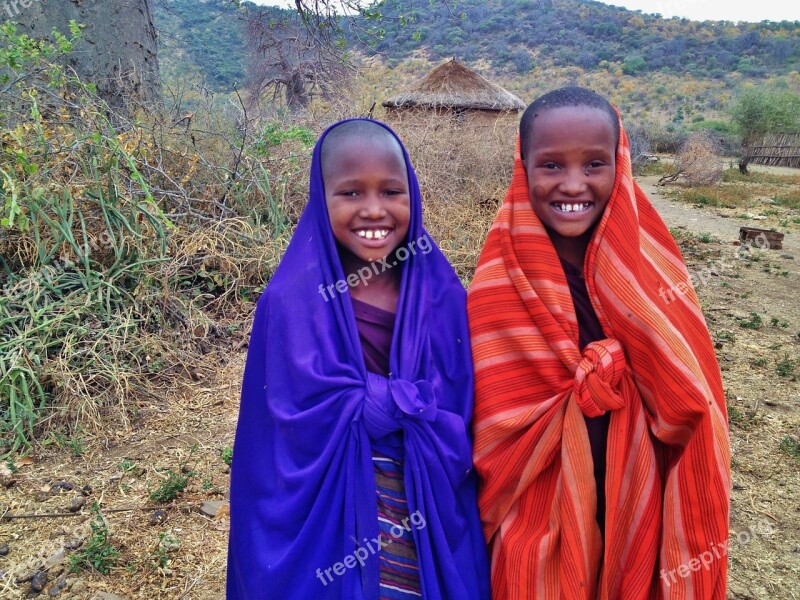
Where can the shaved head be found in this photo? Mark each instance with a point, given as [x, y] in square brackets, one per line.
[571, 97]
[361, 130]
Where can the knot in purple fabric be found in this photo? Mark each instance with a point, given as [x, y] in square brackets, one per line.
[597, 377]
[391, 402]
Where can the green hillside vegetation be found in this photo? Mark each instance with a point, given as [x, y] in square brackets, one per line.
[515, 38]
[519, 35]
[202, 40]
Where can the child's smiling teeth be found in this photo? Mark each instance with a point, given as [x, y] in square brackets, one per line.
[573, 207]
[372, 234]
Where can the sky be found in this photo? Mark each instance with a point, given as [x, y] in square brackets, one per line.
[697, 10]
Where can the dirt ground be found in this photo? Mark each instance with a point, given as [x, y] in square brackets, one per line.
[172, 550]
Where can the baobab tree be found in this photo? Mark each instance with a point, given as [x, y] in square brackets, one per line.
[118, 50]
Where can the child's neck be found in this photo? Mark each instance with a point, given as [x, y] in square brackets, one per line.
[571, 249]
[381, 290]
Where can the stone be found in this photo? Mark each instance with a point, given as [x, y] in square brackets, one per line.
[4, 550]
[56, 558]
[6, 476]
[38, 581]
[73, 544]
[157, 517]
[78, 587]
[58, 587]
[77, 504]
[107, 596]
[58, 486]
[210, 508]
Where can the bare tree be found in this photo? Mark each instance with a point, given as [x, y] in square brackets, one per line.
[289, 58]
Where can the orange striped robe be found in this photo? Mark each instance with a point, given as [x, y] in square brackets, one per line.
[668, 458]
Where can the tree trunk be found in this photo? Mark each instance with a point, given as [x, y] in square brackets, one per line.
[745, 160]
[118, 50]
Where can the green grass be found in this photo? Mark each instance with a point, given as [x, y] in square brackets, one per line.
[786, 366]
[171, 487]
[734, 176]
[742, 419]
[754, 322]
[97, 553]
[790, 446]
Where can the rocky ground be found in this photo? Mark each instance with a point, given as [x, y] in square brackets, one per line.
[161, 485]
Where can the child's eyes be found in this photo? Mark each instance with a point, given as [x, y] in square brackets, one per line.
[549, 165]
[596, 164]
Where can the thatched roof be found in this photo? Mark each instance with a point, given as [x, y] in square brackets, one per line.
[452, 85]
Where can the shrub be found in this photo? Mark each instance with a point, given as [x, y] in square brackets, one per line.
[698, 162]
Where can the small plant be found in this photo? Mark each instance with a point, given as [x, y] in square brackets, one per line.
[754, 322]
[127, 465]
[726, 335]
[226, 454]
[76, 446]
[705, 238]
[97, 553]
[760, 362]
[790, 446]
[167, 543]
[171, 487]
[742, 419]
[774, 321]
[786, 366]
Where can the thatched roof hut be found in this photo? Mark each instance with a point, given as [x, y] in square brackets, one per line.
[453, 89]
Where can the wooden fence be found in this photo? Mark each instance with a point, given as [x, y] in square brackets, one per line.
[781, 149]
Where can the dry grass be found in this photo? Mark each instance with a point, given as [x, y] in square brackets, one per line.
[464, 172]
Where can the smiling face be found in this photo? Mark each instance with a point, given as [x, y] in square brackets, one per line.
[367, 194]
[570, 163]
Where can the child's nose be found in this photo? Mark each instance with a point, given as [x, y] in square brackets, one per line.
[373, 207]
[574, 182]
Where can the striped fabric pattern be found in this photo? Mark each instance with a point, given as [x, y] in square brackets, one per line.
[399, 568]
[668, 458]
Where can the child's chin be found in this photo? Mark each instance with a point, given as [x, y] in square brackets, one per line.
[572, 229]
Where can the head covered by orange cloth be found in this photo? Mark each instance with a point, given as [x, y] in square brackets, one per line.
[668, 458]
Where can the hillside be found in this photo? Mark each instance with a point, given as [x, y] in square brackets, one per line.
[510, 37]
[519, 35]
[202, 39]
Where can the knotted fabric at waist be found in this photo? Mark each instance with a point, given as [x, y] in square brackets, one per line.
[390, 402]
[597, 377]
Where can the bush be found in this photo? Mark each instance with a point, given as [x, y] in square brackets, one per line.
[698, 161]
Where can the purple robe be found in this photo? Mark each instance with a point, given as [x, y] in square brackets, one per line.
[303, 507]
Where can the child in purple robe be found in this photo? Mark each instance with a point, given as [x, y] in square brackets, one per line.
[352, 473]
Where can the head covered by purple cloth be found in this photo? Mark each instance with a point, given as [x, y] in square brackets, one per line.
[302, 482]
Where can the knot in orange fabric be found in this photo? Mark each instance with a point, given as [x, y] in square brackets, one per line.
[598, 375]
